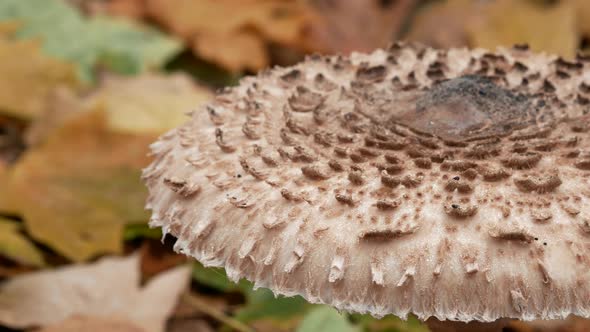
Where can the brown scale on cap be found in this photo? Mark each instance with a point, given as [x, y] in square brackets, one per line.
[348, 166]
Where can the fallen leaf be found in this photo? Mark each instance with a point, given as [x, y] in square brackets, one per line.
[60, 105]
[11, 140]
[442, 24]
[134, 9]
[149, 103]
[117, 44]
[583, 16]
[223, 48]
[389, 323]
[510, 22]
[326, 319]
[337, 29]
[76, 191]
[127, 8]
[250, 24]
[79, 323]
[15, 245]
[261, 304]
[27, 76]
[141, 231]
[109, 288]
[156, 257]
[189, 325]
[570, 324]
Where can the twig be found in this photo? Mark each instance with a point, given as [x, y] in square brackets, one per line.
[216, 314]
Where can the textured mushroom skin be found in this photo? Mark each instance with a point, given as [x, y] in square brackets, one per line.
[446, 183]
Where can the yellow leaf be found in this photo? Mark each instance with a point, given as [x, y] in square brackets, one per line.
[277, 21]
[76, 191]
[550, 29]
[27, 76]
[149, 103]
[15, 246]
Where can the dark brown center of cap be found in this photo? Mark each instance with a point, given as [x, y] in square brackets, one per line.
[467, 108]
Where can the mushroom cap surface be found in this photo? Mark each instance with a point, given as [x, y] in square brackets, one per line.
[447, 183]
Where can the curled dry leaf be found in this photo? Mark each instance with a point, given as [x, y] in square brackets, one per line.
[242, 27]
[109, 288]
[15, 246]
[27, 75]
[79, 323]
[76, 191]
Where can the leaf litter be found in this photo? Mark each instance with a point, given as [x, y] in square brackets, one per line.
[109, 288]
[76, 186]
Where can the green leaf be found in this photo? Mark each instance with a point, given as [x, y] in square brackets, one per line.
[326, 319]
[213, 277]
[262, 304]
[141, 231]
[14, 245]
[116, 44]
[389, 323]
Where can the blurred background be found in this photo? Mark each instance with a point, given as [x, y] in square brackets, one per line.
[86, 85]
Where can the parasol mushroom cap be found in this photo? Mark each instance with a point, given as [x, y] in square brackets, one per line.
[445, 183]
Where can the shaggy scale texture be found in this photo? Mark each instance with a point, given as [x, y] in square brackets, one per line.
[446, 183]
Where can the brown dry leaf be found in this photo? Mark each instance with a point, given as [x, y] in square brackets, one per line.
[583, 16]
[4, 207]
[442, 24]
[61, 105]
[128, 8]
[27, 76]
[278, 21]
[357, 25]
[223, 48]
[15, 246]
[156, 257]
[79, 323]
[76, 191]
[571, 324]
[189, 325]
[109, 288]
[509, 22]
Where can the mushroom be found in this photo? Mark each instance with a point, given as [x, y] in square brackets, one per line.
[449, 184]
